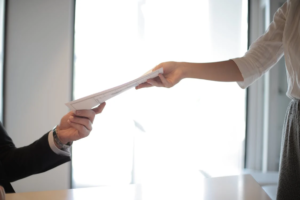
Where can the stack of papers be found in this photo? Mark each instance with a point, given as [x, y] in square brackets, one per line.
[94, 100]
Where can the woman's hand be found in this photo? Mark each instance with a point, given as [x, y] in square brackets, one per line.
[173, 73]
[74, 126]
[226, 71]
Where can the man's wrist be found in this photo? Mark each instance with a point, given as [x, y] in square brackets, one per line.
[57, 145]
[59, 141]
[55, 148]
[61, 137]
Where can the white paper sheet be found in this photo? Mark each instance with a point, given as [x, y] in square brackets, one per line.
[93, 100]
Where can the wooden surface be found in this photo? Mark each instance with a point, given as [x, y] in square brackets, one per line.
[223, 188]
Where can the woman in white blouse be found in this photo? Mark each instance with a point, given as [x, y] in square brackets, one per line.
[282, 38]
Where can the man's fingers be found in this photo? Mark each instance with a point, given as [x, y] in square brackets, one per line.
[89, 114]
[100, 108]
[81, 121]
[82, 130]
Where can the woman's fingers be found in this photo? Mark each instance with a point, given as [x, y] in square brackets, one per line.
[158, 67]
[81, 121]
[161, 81]
[143, 85]
[150, 82]
[164, 80]
[154, 82]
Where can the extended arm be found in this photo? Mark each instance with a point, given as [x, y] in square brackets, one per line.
[38, 157]
[262, 55]
[35, 158]
[218, 71]
[176, 71]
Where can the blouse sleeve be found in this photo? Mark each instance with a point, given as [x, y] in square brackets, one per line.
[265, 52]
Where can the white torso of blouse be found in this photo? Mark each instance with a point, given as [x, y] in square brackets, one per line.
[282, 37]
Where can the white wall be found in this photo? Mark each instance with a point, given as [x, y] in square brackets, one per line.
[38, 78]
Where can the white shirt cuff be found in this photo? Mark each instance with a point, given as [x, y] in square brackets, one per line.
[55, 149]
[249, 73]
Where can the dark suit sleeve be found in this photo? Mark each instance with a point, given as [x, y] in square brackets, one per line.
[21, 162]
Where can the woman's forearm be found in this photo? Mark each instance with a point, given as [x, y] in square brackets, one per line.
[217, 71]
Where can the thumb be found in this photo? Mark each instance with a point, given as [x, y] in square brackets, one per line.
[100, 108]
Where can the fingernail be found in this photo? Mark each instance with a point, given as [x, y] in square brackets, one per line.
[71, 118]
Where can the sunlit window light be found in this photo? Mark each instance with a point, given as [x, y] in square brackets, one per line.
[157, 134]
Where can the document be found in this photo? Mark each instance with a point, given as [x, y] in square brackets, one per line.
[94, 100]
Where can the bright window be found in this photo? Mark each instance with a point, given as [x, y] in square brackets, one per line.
[157, 134]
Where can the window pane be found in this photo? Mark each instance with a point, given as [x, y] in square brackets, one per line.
[2, 14]
[159, 134]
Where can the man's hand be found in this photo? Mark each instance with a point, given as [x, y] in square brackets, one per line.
[74, 126]
[173, 73]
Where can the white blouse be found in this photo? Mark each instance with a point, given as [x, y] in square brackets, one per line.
[282, 37]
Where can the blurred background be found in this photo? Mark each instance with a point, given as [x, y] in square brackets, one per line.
[56, 51]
